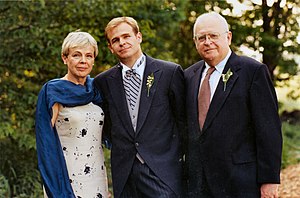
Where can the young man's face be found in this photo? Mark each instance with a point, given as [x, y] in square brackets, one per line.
[124, 42]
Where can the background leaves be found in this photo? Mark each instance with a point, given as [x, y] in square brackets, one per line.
[32, 33]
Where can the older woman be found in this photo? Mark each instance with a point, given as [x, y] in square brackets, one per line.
[69, 125]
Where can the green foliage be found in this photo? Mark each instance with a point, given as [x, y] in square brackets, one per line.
[4, 186]
[271, 30]
[32, 32]
[291, 144]
[18, 171]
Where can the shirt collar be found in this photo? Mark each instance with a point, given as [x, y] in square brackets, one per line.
[136, 65]
[139, 66]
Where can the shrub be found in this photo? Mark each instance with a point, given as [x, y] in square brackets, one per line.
[291, 144]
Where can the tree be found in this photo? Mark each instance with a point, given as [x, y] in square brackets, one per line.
[32, 32]
[273, 32]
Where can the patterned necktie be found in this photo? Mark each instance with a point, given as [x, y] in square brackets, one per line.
[132, 83]
[204, 97]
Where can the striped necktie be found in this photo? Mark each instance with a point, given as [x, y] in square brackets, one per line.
[132, 83]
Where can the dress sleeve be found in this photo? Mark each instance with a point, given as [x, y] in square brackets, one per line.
[51, 162]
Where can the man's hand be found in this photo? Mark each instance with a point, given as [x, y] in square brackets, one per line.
[269, 191]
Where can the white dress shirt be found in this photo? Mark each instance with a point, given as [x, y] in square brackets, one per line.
[216, 75]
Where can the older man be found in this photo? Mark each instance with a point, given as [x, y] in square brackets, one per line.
[235, 140]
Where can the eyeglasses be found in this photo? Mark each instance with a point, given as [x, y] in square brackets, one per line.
[213, 36]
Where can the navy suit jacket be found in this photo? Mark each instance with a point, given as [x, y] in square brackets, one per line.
[240, 145]
[160, 123]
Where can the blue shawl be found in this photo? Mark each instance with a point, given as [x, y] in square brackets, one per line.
[51, 162]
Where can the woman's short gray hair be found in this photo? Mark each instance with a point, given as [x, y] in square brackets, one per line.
[78, 39]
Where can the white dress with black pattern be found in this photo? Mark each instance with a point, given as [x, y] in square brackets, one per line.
[80, 130]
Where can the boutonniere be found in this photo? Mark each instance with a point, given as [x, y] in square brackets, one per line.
[225, 77]
[150, 81]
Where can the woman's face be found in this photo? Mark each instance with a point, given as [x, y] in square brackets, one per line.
[80, 61]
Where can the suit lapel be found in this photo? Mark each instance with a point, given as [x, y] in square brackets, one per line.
[116, 87]
[220, 95]
[145, 100]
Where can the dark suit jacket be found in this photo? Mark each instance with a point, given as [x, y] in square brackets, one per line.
[240, 145]
[160, 123]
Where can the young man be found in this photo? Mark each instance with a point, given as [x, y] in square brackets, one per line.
[144, 107]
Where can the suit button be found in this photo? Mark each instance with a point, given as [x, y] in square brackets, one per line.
[136, 144]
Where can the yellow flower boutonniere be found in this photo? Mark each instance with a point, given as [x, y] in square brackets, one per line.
[225, 77]
[150, 81]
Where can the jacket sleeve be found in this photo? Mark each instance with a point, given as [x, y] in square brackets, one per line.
[264, 108]
[51, 162]
[177, 100]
